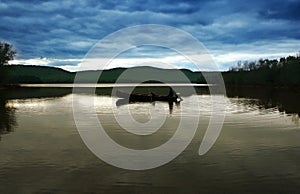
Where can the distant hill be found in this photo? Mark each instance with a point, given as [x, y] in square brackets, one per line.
[18, 74]
[284, 72]
[37, 74]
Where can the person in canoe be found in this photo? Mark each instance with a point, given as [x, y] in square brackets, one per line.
[173, 94]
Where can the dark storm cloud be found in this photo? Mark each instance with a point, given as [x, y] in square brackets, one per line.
[68, 29]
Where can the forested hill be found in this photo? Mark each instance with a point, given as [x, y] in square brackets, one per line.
[41, 74]
[36, 74]
[264, 72]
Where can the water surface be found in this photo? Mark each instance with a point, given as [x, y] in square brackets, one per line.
[258, 149]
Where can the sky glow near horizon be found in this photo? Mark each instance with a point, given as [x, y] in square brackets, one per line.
[60, 33]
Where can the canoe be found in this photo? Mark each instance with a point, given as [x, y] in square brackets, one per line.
[147, 97]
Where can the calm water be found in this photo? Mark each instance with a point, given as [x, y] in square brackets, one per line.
[258, 149]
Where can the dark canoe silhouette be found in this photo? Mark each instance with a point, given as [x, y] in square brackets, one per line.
[147, 97]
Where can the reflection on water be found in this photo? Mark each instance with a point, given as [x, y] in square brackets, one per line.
[7, 118]
[258, 149]
[264, 98]
[122, 102]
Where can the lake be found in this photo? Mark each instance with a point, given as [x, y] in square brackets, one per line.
[258, 149]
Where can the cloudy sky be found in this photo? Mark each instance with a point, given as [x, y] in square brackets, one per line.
[61, 32]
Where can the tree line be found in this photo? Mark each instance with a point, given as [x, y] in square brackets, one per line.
[285, 71]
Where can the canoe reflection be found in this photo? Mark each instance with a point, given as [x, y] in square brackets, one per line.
[124, 101]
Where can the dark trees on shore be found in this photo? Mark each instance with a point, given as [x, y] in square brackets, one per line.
[285, 71]
[7, 53]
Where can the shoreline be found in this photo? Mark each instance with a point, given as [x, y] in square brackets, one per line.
[295, 88]
[261, 86]
[10, 86]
